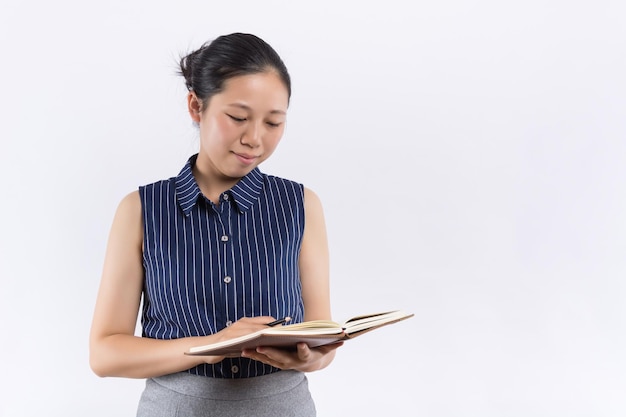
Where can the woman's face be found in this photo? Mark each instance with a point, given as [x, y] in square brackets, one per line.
[242, 125]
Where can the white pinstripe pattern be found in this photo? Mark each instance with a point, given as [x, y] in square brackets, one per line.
[186, 262]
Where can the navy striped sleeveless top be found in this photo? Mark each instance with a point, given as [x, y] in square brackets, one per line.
[206, 266]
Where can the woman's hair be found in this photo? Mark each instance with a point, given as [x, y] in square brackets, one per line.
[208, 68]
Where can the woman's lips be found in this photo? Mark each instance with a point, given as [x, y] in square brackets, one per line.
[245, 158]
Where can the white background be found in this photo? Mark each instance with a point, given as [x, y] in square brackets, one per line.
[471, 158]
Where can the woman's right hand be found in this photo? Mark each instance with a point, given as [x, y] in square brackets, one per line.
[241, 327]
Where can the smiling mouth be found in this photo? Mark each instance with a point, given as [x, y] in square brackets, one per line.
[245, 158]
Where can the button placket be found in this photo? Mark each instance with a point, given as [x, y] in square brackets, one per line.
[228, 268]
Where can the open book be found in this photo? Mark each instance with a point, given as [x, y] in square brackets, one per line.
[314, 333]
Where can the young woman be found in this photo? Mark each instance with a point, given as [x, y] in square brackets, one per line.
[216, 252]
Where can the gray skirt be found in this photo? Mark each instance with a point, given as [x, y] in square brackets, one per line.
[284, 393]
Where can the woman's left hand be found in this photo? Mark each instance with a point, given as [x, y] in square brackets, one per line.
[304, 359]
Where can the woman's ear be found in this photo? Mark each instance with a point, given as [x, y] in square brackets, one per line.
[194, 106]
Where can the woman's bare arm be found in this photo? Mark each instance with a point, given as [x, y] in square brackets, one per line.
[114, 350]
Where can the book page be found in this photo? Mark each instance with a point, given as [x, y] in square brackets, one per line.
[313, 324]
[370, 322]
[317, 328]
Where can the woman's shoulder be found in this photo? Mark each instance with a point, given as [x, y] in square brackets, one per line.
[276, 178]
[131, 202]
[307, 192]
[158, 184]
[281, 184]
[128, 212]
[158, 192]
[312, 202]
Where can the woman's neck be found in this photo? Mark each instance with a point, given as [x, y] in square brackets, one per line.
[211, 184]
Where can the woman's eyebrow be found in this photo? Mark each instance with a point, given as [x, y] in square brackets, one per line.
[246, 107]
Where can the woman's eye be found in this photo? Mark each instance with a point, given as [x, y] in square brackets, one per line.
[270, 124]
[237, 119]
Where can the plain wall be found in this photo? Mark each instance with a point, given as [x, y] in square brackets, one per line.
[470, 156]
